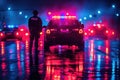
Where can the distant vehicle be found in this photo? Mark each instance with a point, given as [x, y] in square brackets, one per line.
[9, 33]
[64, 30]
[13, 33]
[100, 32]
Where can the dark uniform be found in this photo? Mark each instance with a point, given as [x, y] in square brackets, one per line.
[35, 27]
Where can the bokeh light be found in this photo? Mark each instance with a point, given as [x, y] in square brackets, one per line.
[20, 13]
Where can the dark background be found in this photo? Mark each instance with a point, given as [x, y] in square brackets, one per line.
[82, 7]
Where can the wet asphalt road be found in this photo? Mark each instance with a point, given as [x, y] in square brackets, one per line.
[99, 61]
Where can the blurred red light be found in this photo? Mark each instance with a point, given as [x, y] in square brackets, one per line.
[113, 33]
[1, 34]
[85, 33]
[56, 17]
[3, 65]
[106, 31]
[26, 34]
[99, 27]
[40, 33]
[49, 13]
[73, 17]
[88, 29]
[2, 48]
[67, 13]
[94, 24]
[69, 16]
[17, 33]
[67, 30]
[63, 17]
[21, 29]
[91, 31]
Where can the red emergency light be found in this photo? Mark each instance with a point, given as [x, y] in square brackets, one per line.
[92, 31]
[1, 34]
[26, 34]
[67, 14]
[99, 27]
[17, 33]
[21, 29]
[113, 33]
[85, 34]
[49, 13]
[107, 31]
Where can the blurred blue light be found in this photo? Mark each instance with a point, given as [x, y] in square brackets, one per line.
[98, 77]
[62, 17]
[16, 26]
[90, 16]
[9, 8]
[99, 58]
[10, 26]
[118, 63]
[26, 16]
[100, 21]
[91, 58]
[117, 14]
[99, 12]
[20, 13]
[85, 18]
[113, 65]
[113, 6]
[80, 19]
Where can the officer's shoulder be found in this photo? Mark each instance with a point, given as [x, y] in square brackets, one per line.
[30, 18]
[39, 18]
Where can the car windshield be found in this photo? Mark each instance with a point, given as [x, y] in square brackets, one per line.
[9, 29]
[63, 23]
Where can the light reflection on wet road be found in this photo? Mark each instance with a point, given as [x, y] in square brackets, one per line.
[99, 61]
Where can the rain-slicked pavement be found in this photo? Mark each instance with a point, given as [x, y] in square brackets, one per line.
[99, 61]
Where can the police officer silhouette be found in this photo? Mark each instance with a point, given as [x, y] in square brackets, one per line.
[35, 27]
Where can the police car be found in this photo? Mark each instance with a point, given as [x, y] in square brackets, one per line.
[64, 30]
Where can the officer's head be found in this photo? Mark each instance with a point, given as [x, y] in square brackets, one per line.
[35, 12]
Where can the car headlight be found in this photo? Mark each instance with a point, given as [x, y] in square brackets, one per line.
[1, 34]
[48, 31]
[80, 31]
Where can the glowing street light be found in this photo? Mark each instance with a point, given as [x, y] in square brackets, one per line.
[85, 18]
[80, 19]
[20, 13]
[117, 14]
[26, 16]
[9, 8]
[113, 6]
[99, 11]
[90, 16]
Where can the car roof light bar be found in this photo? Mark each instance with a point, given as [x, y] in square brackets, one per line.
[63, 17]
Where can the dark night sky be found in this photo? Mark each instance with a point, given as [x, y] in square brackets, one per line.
[31, 4]
[44, 5]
